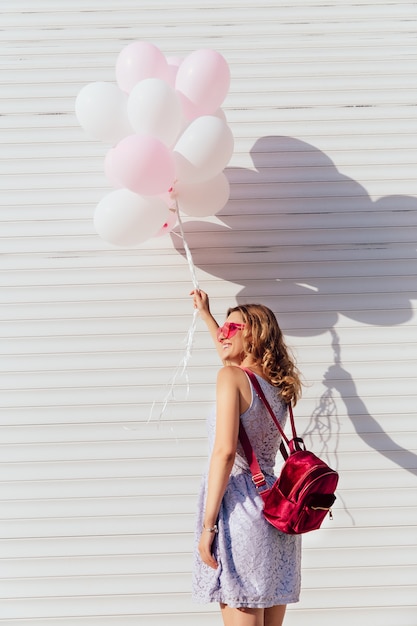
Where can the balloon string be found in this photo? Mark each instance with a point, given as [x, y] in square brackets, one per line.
[188, 254]
[181, 369]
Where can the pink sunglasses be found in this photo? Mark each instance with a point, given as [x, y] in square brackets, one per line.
[229, 329]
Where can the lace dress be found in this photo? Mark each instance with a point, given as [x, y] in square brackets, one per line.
[258, 566]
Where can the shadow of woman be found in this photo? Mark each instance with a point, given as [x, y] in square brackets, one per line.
[325, 423]
[365, 425]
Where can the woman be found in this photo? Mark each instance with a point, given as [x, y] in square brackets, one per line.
[242, 562]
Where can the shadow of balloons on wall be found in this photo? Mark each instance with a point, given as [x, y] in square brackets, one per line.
[295, 208]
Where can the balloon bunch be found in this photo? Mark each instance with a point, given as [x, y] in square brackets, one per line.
[168, 136]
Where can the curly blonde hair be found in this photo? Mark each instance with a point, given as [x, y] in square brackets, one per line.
[264, 342]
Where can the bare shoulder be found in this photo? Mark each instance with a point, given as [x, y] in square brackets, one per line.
[232, 375]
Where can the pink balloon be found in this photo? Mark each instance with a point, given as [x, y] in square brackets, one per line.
[143, 164]
[137, 61]
[203, 80]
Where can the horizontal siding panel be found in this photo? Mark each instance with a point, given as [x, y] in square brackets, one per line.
[98, 566]
[79, 606]
[361, 10]
[365, 596]
[80, 276]
[330, 538]
[352, 577]
[97, 451]
[91, 396]
[95, 585]
[350, 556]
[103, 525]
[192, 39]
[68, 451]
[64, 547]
[394, 478]
[145, 432]
[129, 414]
[195, 28]
[109, 468]
[20, 486]
[93, 507]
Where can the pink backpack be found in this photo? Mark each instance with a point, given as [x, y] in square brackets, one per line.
[303, 494]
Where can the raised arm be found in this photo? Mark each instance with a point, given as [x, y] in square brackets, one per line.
[201, 302]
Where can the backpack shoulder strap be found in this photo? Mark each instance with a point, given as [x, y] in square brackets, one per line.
[257, 474]
[261, 395]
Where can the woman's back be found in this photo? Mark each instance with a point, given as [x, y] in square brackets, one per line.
[260, 428]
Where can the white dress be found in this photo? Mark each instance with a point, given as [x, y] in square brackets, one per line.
[259, 566]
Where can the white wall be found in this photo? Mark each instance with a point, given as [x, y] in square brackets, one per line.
[97, 500]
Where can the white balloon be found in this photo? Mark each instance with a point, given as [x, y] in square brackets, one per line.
[154, 108]
[203, 199]
[203, 150]
[123, 218]
[101, 110]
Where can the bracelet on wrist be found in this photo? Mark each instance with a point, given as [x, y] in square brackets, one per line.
[213, 529]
